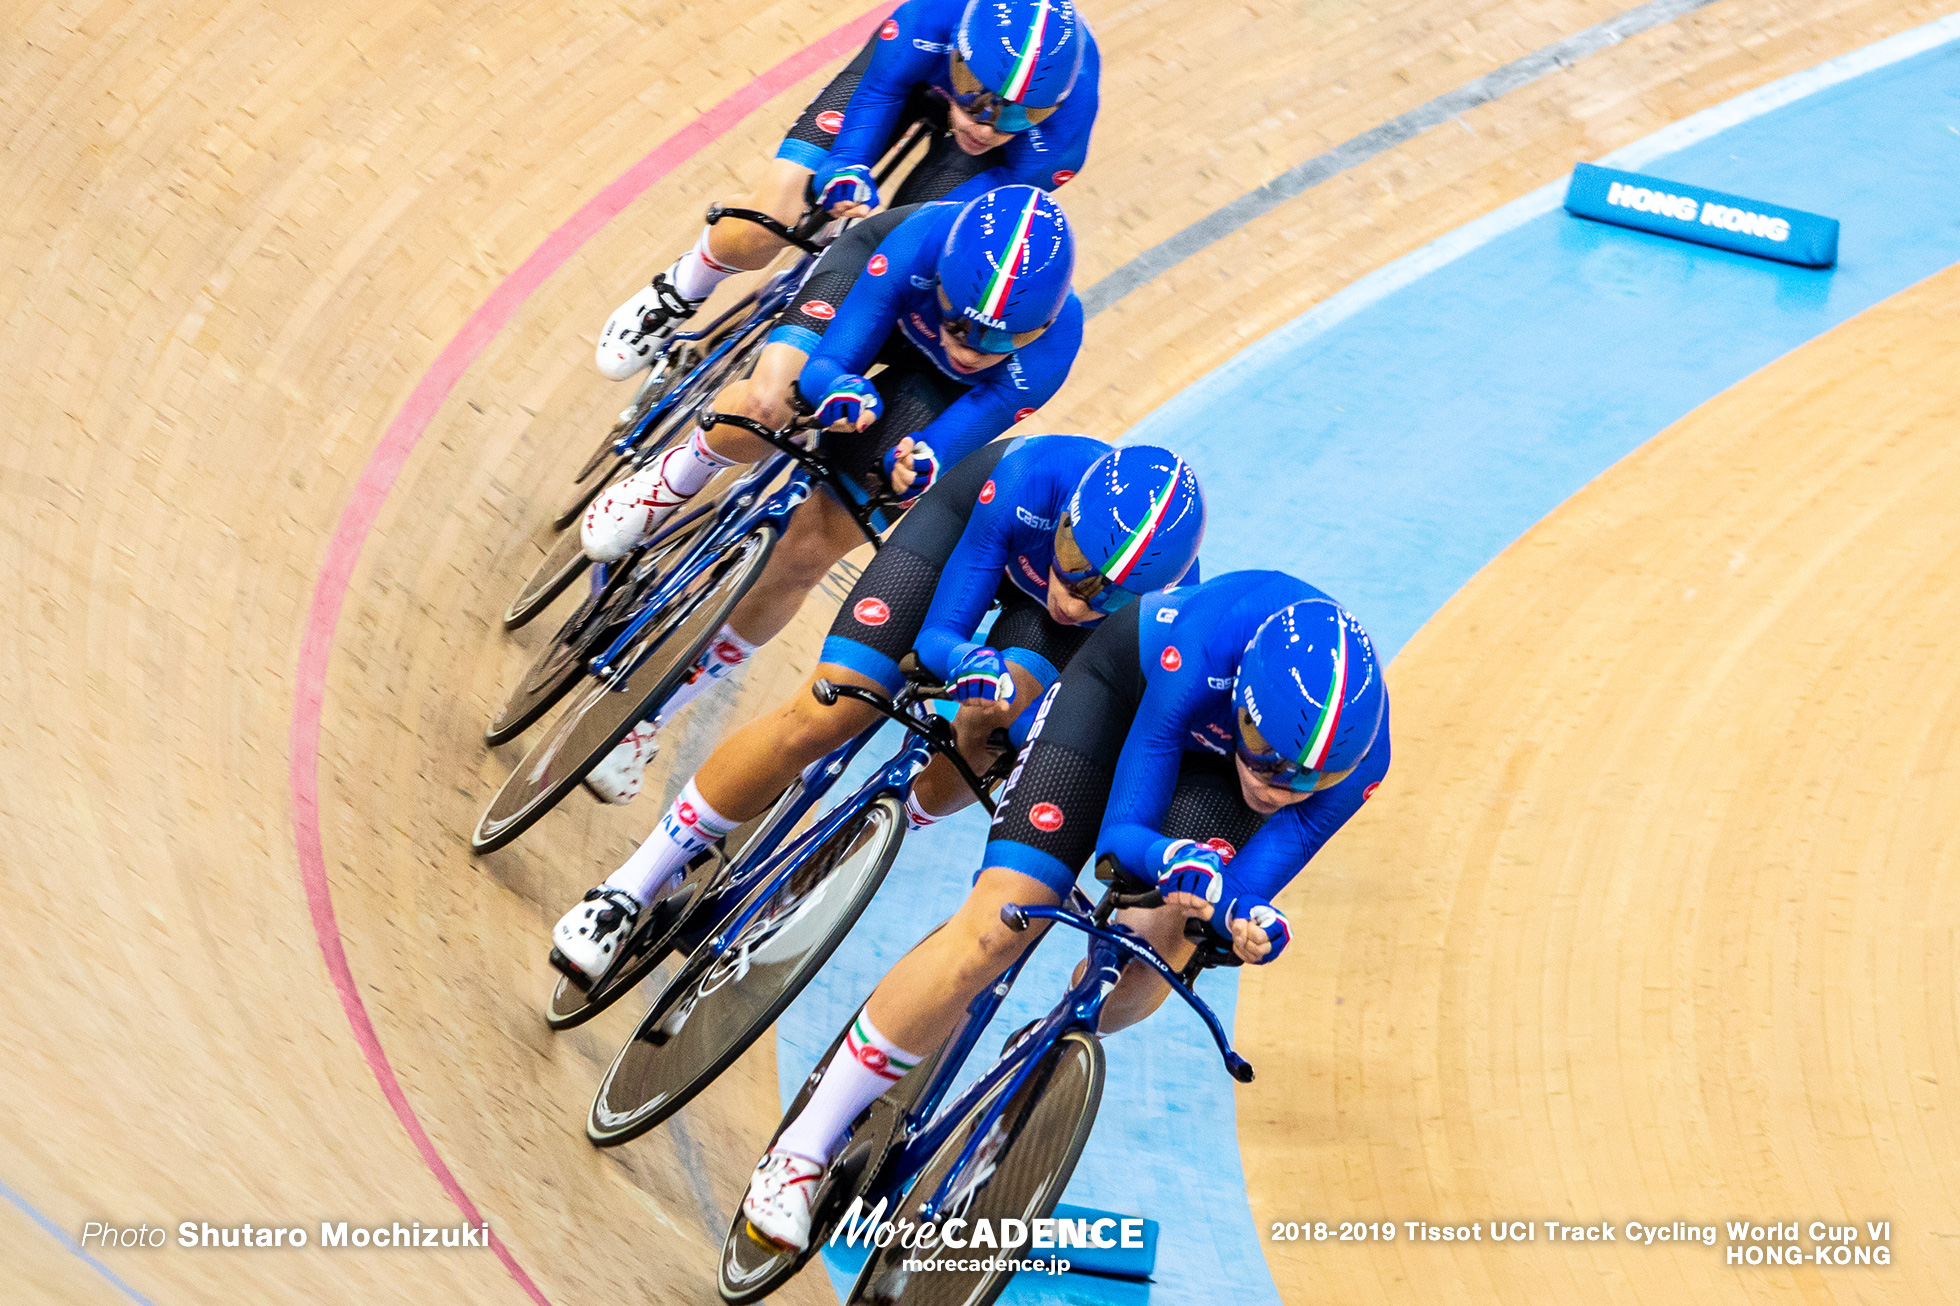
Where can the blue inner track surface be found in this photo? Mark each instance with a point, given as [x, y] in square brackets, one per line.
[1386, 452]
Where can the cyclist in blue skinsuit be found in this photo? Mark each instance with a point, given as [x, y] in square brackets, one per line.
[1059, 529]
[969, 312]
[1212, 739]
[1008, 89]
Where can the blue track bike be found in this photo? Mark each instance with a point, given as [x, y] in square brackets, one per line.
[1002, 1149]
[758, 926]
[645, 621]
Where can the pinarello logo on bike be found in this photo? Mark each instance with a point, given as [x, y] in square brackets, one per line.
[1045, 816]
[830, 121]
[1223, 847]
[1170, 659]
[1027, 569]
[819, 310]
[889, 30]
[1065, 176]
[987, 492]
[872, 612]
[1024, 414]
[876, 267]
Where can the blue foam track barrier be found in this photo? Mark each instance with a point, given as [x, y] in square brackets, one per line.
[1706, 217]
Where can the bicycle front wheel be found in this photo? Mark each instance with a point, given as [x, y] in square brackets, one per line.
[599, 716]
[722, 1001]
[1017, 1173]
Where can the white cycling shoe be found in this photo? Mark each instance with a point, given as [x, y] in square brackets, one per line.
[777, 1205]
[641, 325]
[587, 939]
[626, 514]
[620, 774]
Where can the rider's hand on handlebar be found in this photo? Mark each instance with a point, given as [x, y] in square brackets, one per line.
[1260, 931]
[851, 404]
[1189, 875]
[848, 192]
[911, 467]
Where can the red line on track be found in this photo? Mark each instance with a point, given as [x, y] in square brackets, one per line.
[371, 491]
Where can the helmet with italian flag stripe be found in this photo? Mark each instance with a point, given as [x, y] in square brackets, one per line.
[1025, 51]
[1007, 262]
[1134, 525]
[1308, 697]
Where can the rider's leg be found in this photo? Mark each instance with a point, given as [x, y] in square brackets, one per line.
[624, 515]
[819, 534]
[918, 1003]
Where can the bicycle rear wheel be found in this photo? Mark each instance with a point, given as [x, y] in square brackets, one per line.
[1018, 1172]
[721, 1002]
[559, 664]
[599, 716]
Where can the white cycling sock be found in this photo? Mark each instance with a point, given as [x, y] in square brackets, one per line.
[689, 826]
[687, 468]
[916, 815]
[862, 1069]
[696, 273]
[726, 651]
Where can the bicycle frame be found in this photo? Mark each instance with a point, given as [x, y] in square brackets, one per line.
[769, 865]
[1111, 947]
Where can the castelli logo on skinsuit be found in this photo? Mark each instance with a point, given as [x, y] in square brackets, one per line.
[687, 814]
[1065, 176]
[873, 1058]
[1223, 847]
[1024, 414]
[876, 267]
[872, 612]
[987, 492]
[819, 310]
[830, 121]
[1170, 659]
[1369, 792]
[889, 30]
[1045, 816]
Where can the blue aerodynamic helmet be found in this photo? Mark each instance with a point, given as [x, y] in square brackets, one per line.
[1308, 697]
[1015, 59]
[1005, 269]
[1134, 525]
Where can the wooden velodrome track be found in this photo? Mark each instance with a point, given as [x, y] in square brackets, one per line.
[238, 236]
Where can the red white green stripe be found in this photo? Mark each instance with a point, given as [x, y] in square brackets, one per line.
[1330, 711]
[1017, 81]
[1118, 568]
[993, 301]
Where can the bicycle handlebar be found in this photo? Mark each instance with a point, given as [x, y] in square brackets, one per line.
[780, 440]
[933, 730]
[1017, 918]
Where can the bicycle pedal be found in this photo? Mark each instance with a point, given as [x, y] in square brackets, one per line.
[563, 965]
[763, 1240]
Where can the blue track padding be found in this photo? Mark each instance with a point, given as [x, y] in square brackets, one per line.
[1385, 447]
[1706, 217]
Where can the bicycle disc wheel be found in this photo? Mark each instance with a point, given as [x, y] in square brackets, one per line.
[721, 1003]
[1017, 1173]
[601, 713]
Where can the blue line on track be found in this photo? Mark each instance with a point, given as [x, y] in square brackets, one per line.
[55, 1232]
[1422, 420]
